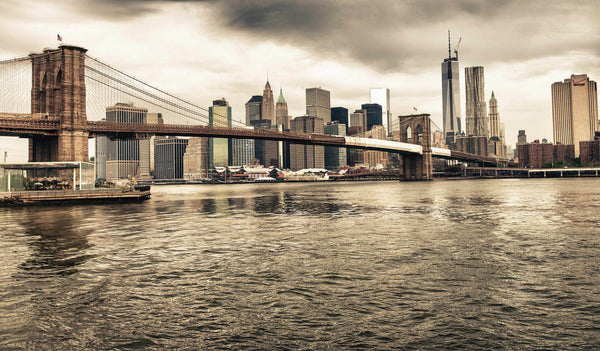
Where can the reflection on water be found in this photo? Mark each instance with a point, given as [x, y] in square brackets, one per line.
[57, 244]
[505, 264]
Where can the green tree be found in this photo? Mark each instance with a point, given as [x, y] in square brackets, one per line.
[576, 162]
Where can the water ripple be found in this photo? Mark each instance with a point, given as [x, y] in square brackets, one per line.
[495, 264]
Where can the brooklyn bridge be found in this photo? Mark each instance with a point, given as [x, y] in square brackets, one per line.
[56, 99]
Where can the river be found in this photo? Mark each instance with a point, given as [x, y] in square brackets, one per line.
[478, 264]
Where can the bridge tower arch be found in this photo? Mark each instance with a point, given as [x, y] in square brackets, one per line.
[58, 91]
[417, 130]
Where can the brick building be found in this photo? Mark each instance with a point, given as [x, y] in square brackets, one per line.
[565, 153]
[536, 154]
[589, 151]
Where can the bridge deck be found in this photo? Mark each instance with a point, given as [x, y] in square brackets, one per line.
[27, 125]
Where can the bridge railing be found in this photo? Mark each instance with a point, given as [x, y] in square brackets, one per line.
[25, 122]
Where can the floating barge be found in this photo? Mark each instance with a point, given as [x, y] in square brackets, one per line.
[60, 197]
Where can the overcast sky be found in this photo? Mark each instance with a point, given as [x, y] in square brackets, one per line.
[204, 50]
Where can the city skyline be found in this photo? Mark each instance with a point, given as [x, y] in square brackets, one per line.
[206, 50]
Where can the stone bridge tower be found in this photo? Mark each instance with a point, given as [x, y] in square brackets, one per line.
[416, 129]
[58, 91]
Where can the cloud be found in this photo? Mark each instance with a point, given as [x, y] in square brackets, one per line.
[392, 35]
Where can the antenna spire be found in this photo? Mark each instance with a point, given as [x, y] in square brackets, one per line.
[449, 49]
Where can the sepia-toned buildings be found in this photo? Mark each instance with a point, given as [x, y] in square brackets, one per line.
[451, 96]
[318, 103]
[476, 121]
[307, 156]
[574, 110]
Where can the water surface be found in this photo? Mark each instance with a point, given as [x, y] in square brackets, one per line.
[484, 264]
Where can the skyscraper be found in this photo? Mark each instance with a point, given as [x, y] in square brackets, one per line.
[219, 115]
[451, 96]
[381, 96]
[242, 152]
[318, 103]
[374, 115]
[281, 111]
[494, 118]
[260, 114]
[496, 132]
[477, 120]
[359, 119]
[574, 110]
[169, 157]
[339, 114]
[195, 159]
[335, 157]
[253, 109]
[268, 104]
[153, 118]
[125, 158]
[283, 123]
[307, 156]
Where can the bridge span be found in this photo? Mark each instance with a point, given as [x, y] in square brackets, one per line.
[27, 126]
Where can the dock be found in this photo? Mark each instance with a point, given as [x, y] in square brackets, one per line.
[490, 173]
[54, 197]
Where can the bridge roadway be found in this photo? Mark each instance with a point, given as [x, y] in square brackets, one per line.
[26, 125]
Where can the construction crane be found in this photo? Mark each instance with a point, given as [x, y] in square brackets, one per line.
[456, 48]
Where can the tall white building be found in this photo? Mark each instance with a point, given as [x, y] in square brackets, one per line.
[120, 159]
[381, 96]
[451, 96]
[574, 110]
[242, 152]
[318, 104]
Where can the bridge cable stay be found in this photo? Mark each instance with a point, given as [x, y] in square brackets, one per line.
[145, 99]
[161, 107]
[15, 85]
[107, 88]
[111, 86]
[144, 83]
[435, 125]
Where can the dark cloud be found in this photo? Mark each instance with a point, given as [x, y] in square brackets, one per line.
[125, 9]
[394, 34]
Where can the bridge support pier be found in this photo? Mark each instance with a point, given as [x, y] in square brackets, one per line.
[416, 129]
[43, 149]
[417, 167]
[68, 146]
[58, 90]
